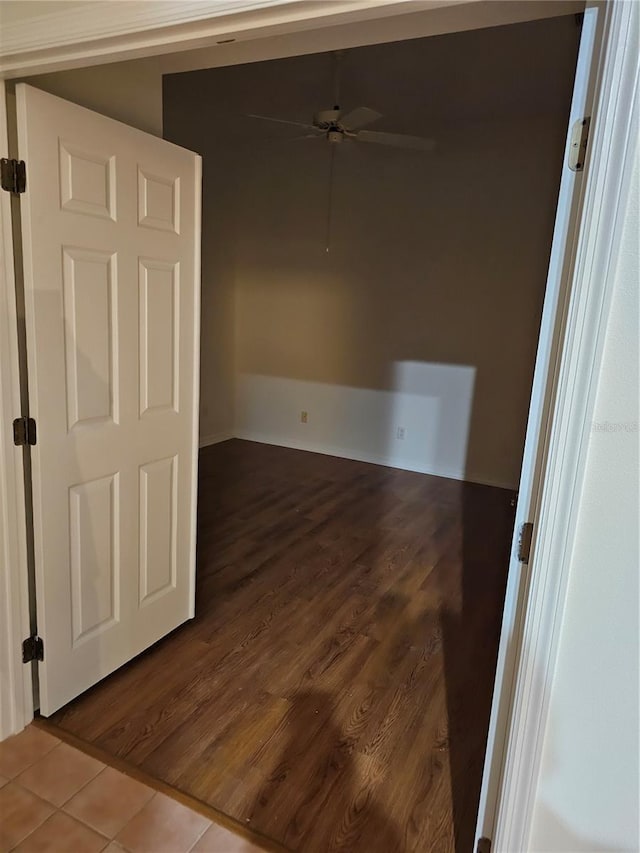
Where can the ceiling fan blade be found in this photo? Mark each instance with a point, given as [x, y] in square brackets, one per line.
[286, 121]
[359, 118]
[397, 140]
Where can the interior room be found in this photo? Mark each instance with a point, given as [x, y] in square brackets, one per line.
[370, 319]
[388, 298]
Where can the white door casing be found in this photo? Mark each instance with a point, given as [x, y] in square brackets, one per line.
[568, 210]
[16, 703]
[570, 346]
[111, 233]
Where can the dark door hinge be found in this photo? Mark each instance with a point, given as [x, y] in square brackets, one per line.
[32, 649]
[14, 175]
[524, 543]
[483, 846]
[24, 431]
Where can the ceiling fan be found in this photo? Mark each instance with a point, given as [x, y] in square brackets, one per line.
[337, 126]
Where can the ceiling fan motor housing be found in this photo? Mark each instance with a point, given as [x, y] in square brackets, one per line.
[325, 118]
[335, 135]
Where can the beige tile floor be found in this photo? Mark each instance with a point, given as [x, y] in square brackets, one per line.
[57, 799]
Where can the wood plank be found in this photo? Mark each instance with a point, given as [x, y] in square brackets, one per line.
[333, 691]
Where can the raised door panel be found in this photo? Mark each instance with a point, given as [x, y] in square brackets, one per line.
[90, 320]
[87, 181]
[159, 313]
[94, 509]
[158, 528]
[158, 201]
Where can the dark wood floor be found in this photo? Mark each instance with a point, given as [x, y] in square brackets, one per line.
[334, 690]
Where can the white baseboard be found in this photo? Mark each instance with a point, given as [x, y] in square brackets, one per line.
[348, 453]
[216, 438]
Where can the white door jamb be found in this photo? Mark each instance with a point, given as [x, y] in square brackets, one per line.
[613, 148]
[16, 696]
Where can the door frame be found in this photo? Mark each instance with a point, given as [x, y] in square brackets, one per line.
[571, 380]
[16, 693]
[557, 464]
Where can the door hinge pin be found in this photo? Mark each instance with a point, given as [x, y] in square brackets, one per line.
[524, 542]
[24, 431]
[32, 649]
[13, 174]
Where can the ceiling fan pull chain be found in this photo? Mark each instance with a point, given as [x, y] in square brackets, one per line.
[332, 151]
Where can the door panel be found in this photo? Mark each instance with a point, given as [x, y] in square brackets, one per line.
[89, 303]
[159, 336]
[158, 523]
[93, 533]
[111, 222]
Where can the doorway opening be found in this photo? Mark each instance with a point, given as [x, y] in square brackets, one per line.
[363, 413]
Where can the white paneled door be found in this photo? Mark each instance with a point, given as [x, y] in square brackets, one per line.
[111, 234]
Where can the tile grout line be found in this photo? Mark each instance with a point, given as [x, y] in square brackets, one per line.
[46, 802]
[105, 767]
[56, 809]
[81, 788]
[31, 764]
[62, 807]
[143, 806]
[206, 829]
[215, 816]
[154, 794]
[136, 813]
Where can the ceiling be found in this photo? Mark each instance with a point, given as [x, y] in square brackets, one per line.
[12, 11]
[502, 72]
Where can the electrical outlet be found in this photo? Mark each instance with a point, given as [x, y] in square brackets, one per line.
[400, 432]
[304, 417]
